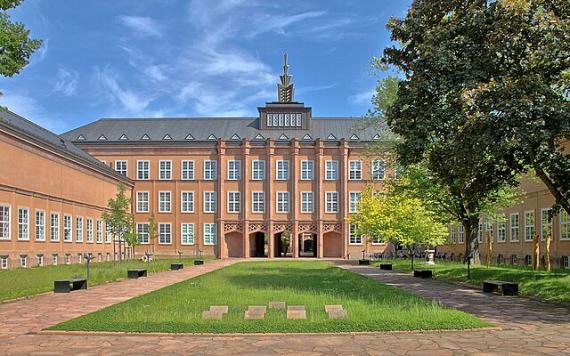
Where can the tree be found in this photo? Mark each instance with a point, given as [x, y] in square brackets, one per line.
[152, 231]
[119, 219]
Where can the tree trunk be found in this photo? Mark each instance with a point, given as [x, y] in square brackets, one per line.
[547, 253]
[489, 248]
[560, 196]
[471, 225]
[536, 252]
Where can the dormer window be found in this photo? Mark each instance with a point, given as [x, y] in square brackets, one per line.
[167, 137]
[331, 137]
[145, 137]
[307, 137]
[284, 119]
[235, 137]
[376, 137]
[212, 137]
[189, 137]
[102, 138]
[283, 137]
[259, 137]
[80, 138]
[354, 137]
[123, 137]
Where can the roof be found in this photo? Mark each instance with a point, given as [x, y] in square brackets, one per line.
[55, 142]
[213, 128]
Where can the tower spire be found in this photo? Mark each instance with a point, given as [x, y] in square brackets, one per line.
[285, 89]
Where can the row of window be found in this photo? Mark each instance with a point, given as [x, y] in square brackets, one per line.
[234, 171]
[514, 227]
[187, 233]
[24, 260]
[187, 202]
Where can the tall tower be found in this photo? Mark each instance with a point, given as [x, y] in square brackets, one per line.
[285, 90]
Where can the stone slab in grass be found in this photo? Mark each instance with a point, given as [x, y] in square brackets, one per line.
[296, 307]
[337, 314]
[257, 309]
[209, 315]
[329, 308]
[276, 305]
[249, 315]
[296, 314]
[223, 309]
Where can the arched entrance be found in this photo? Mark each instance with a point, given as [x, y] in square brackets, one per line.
[307, 244]
[332, 244]
[234, 244]
[258, 245]
[283, 244]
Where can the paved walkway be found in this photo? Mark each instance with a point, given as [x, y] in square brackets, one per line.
[526, 327]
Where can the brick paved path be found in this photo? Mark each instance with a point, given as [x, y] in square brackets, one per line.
[526, 327]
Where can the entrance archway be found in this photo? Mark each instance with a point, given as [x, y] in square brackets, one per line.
[332, 244]
[234, 243]
[257, 245]
[307, 244]
[282, 244]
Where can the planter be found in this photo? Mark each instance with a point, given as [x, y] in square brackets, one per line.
[364, 262]
[386, 266]
[198, 262]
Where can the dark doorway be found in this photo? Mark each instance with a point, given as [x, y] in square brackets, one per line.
[282, 245]
[257, 245]
[307, 245]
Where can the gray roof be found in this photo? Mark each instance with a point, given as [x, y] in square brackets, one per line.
[60, 144]
[201, 129]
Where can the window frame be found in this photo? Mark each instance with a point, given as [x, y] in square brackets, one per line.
[280, 205]
[160, 202]
[79, 229]
[308, 203]
[125, 171]
[333, 170]
[512, 227]
[143, 170]
[6, 231]
[165, 171]
[40, 227]
[68, 217]
[332, 203]
[353, 205]
[375, 169]
[259, 202]
[139, 201]
[188, 193]
[233, 205]
[564, 224]
[355, 174]
[212, 227]
[189, 172]
[182, 233]
[527, 226]
[23, 230]
[142, 233]
[352, 236]
[234, 173]
[308, 172]
[258, 173]
[282, 170]
[166, 234]
[212, 202]
[53, 228]
[210, 169]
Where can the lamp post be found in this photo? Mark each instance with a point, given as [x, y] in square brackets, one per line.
[88, 259]
[179, 256]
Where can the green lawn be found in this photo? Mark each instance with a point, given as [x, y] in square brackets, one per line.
[553, 286]
[371, 306]
[21, 282]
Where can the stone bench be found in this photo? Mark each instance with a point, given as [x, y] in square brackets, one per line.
[198, 262]
[136, 273]
[68, 285]
[423, 273]
[364, 262]
[386, 266]
[505, 288]
[176, 266]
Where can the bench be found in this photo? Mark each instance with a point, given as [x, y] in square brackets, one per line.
[506, 288]
[364, 262]
[176, 266]
[423, 273]
[136, 273]
[198, 262]
[386, 266]
[67, 285]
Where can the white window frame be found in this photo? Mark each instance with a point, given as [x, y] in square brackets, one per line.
[460, 234]
[55, 259]
[163, 204]
[67, 230]
[54, 230]
[258, 202]
[141, 203]
[165, 234]
[23, 224]
[514, 229]
[282, 202]
[187, 205]
[209, 234]
[99, 231]
[5, 224]
[78, 229]
[40, 259]
[378, 166]
[353, 238]
[187, 173]
[307, 203]
[210, 169]
[89, 223]
[307, 169]
[144, 172]
[122, 170]
[331, 203]
[281, 169]
[501, 230]
[257, 169]
[40, 225]
[24, 261]
[355, 170]
[209, 202]
[354, 201]
[528, 227]
[165, 173]
[564, 224]
[543, 225]
[141, 233]
[3, 262]
[234, 202]
[480, 232]
[331, 170]
[234, 169]
[187, 234]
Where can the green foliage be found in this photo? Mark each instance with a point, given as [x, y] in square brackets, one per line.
[152, 229]
[119, 219]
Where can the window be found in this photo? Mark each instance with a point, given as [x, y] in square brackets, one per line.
[331, 202]
[143, 170]
[307, 169]
[67, 233]
[258, 202]
[209, 234]
[187, 234]
[209, 202]
[54, 236]
[80, 258]
[3, 262]
[24, 261]
[452, 233]
[480, 233]
[234, 202]
[121, 167]
[514, 226]
[257, 170]
[99, 231]
[529, 224]
[355, 170]
[460, 233]
[331, 170]
[545, 223]
[89, 230]
[564, 226]
[187, 202]
[164, 199]
[282, 202]
[164, 234]
[565, 262]
[142, 202]
[23, 224]
[377, 240]
[353, 201]
[79, 229]
[210, 170]
[143, 233]
[528, 260]
[282, 172]
[187, 170]
[489, 231]
[353, 238]
[306, 202]
[501, 231]
[4, 222]
[40, 259]
[234, 170]
[107, 233]
[378, 169]
[55, 259]
[40, 225]
[165, 170]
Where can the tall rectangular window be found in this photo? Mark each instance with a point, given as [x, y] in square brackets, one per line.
[354, 170]
[480, 233]
[331, 170]
[79, 229]
[164, 202]
[164, 234]
[234, 202]
[23, 224]
[353, 238]
[209, 202]
[258, 202]
[3, 262]
[210, 170]
[234, 170]
[501, 230]
[67, 233]
[545, 223]
[121, 167]
[307, 169]
[40, 225]
[452, 234]
[4, 222]
[209, 234]
[257, 170]
[99, 232]
[143, 233]
[529, 225]
[187, 170]
[143, 170]
[564, 226]
[460, 234]
[187, 202]
[331, 202]
[89, 230]
[142, 202]
[514, 227]
[282, 202]
[107, 233]
[187, 235]
[489, 231]
[306, 202]
[282, 170]
[354, 201]
[378, 169]
[165, 170]
[54, 226]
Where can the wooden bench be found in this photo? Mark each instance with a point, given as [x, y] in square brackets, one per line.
[67, 285]
[136, 273]
[198, 262]
[506, 288]
[386, 266]
[176, 266]
[423, 273]
[364, 262]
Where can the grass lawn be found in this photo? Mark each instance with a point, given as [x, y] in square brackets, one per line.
[553, 286]
[21, 282]
[371, 306]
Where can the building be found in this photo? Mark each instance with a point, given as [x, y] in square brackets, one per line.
[52, 195]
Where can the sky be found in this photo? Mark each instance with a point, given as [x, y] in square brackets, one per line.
[194, 58]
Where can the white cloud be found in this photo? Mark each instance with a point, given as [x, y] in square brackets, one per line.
[142, 26]
[67, 81]
[30, 109]
[130, 101]
[363, 97]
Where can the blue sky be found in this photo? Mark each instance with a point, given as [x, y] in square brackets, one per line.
[171, 58]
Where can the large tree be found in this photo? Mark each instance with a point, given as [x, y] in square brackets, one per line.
[120, 220]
